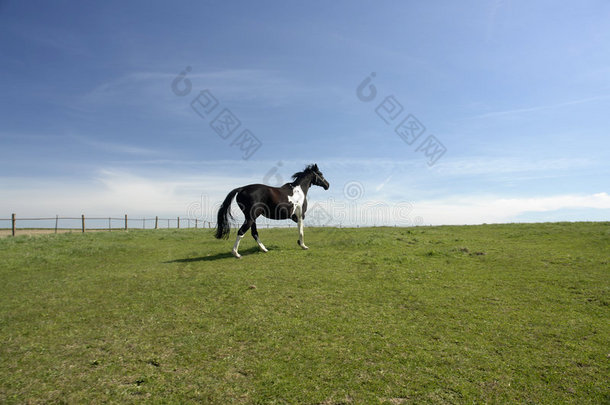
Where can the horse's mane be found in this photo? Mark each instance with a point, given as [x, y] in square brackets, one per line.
[309, 169]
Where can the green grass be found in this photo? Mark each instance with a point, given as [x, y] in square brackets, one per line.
[473, 314]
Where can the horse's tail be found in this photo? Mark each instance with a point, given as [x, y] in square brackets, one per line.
[223, 228]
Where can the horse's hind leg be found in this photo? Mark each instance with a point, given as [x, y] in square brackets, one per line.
[255, 236]
[240, 234]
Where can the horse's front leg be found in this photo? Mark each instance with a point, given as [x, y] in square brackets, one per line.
[301, 240]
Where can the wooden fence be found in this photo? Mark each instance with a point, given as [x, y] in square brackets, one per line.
[83, 223]
[109, 223]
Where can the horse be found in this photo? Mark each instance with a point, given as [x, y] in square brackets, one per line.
[254, 200]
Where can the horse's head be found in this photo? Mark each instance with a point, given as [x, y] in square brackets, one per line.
[318, 178]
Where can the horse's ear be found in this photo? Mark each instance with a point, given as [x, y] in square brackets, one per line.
[315, 167]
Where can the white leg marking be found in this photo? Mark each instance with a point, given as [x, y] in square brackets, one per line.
[297, 199]
[260, 245]
[301, 235]
[236, 246]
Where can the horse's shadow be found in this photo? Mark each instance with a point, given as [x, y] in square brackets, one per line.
[218, 256]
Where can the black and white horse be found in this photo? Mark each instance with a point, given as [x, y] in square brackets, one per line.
[287, 201]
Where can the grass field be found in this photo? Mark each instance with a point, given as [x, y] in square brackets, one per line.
[473, 314]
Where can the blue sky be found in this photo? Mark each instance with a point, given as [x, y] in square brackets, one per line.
[517, 93]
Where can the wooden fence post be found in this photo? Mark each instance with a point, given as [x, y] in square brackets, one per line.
[178, 222]
[125, 221]
[109, 225]
[195, 223]
[83, 221]
[14, 221]
[157, 222]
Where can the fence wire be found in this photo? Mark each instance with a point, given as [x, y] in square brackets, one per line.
[84, 223]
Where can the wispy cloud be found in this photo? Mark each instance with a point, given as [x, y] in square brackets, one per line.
[506, 165]
[494, 10]
[261, 87]
[532, 109]
[114, 147]
[54, 36]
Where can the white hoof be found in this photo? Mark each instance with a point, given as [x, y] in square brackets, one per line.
[302, 245]
[265, 250]
[237, 255]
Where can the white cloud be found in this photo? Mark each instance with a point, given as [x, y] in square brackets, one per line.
[116, 192]
[110, 193]
[494, 209]
[455, 210]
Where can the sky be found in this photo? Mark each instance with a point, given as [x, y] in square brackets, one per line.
[417, 113]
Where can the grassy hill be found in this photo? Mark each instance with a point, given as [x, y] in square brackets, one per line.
[452, 314]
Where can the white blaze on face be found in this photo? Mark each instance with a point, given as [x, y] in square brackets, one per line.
[297, 199]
